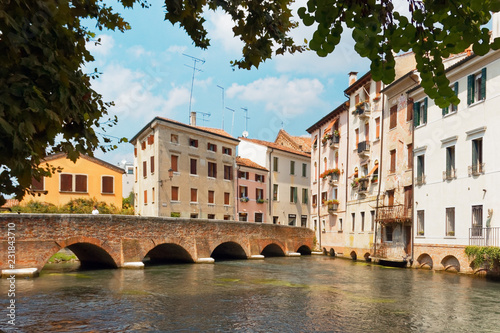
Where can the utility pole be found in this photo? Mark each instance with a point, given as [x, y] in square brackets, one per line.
[195, 61]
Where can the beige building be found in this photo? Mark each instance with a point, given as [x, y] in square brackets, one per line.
[184, 170]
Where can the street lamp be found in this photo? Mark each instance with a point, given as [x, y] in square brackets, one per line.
[170, 176]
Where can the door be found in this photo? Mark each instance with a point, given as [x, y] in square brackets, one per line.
[408, 239]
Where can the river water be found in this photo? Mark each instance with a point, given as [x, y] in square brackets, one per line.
[306, 294]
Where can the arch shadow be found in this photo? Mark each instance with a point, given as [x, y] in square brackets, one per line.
[228, 251]
[451, 263]
[304, 250]
[167, 253]
[332, 252]
[353, 255]
[425, 261]
[273, 250]
[367, 257]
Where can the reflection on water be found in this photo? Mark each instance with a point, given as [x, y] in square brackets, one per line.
[308, 294]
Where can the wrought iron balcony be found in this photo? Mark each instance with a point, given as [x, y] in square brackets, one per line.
[334, 142]
[480, 236]
[333, 179]
[420, 180]
[363, 185]
[476, 169]
[449, 174]
[395, 213]
[363, 110]
[364, 148]
[332, 208]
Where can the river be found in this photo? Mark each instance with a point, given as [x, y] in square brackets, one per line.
[305, 294]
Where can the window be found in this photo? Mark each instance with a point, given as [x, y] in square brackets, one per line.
[476, 87]
[73, 183]
[136, 174]
[243, 174]
[227, 217]
[303, 221]
[353, 220]
[151, 139]
[450, 163]
[450, 221]
[420, 110]
[293, 194]
[259, 194]
[304, 170]
[174, 138]
[291, 219]
[275, 192]
[409, 150]
[174, 163]
[228, 172]
[356, 131]
[362, 221]
[144, 169]
[356, 99]
[193, 143]
[211, 147]
[340, 225]
[174, 193]
[388, 233]
[315, 171]
[477, 221]
[226, 198]
[477, 157]
[243, 192]
[211, 197]
[37, 185]
[409, 110]
[275, 164]
[258, 217]
[276, 220]
[135, 151]
[377, 128]
[315, 200]
[324, 197]
[452, 108]
[152, 165]
[194, 195]
[227, 151]
[393, 117]
[194, 216]
[390, 198]
[193, 169]
[212, 170]
[408, 193]
[211, 216]
[153, 195]
[143, 145]
[242, 217]
[292, 167]
[305, 193]
[107, 184]
[259, 178]
[145, 197]
[393, 161]
[420, 222]
[420, 169]
[130, 171]
[372, 220]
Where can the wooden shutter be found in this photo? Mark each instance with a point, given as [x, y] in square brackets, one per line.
[107, 184]
[409, 110]
[37, 185]
[193, 166]
[145, 197]
[416, 114]
[425, 110]
[135, 151]
[194, 195]
[226, 198]
[175, 193]
[81, 183]
[66, 182]
[152, 164]
[393, 116]
[211, 197]
[377, 128]
[470, 89]
[144, 169]
[367, 132]
[483, 84]
[173, 161]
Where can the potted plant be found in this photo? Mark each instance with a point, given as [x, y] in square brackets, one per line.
[260, 200]
[375, 179]
[451, 233]
[421, 233]
[244, 199]
[355, 183]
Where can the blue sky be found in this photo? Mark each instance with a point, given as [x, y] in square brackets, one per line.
[146, 74]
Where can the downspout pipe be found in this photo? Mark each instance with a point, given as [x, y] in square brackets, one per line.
[413, 213]
[347, 157]
[271, 198]
[319, 188]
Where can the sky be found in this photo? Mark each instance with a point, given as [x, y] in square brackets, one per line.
[148, 70]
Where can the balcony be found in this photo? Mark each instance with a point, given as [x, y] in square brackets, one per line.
[333, 208]
[476, 169]
[395, 213]
[420, 180]
[363, 110]
[364, 148]
[334, 142]
[333, 179]
[363, 185]
[450, 174]
[480, 236]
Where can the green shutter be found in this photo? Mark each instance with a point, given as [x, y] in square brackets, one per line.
[470, 89]
[483, 84]
[295, 194]
[425, 110]
[445, 111]
[416, 114]
[474, 152]
[455, 88]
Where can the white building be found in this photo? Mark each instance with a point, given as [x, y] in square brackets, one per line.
[457, 165]
[128, 178]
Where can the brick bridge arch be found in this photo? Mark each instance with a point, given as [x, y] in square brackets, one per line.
[116, 240]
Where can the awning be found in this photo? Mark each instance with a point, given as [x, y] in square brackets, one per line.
[329, 128]
[354, 174]
[373, 170]
[315, 139]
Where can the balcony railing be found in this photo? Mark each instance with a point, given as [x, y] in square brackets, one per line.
[363, 185]
[480, 236]
[334, 141]
[332, 208]
[364, 147]
[476, 169]
[363, 110]
[420, 180]
[395, 213]
[449, 174]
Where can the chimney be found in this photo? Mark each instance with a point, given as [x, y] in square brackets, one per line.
[192, 118]
[353, 76]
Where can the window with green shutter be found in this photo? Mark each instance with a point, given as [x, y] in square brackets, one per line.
[476, 87]
[416, 115]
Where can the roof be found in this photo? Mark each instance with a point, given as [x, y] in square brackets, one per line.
[215, 131]
[277, 146]
[304, 141]
[295, 142]
[249, 163]
[359, 83]
[329, 117]
[89, 158]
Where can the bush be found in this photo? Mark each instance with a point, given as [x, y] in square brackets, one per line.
[76, 206]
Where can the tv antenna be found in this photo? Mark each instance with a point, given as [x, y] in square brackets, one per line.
[204, 114]
[232, 124]
[246, 118]
[195, 61]
[223, 106]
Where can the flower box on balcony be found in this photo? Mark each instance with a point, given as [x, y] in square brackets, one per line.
[259, 200]
[244, 199]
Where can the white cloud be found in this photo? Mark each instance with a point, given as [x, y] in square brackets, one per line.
[177, 49]
[133, 93]
[102, 49]
[220, 29]
[287, 97]
[138, 51]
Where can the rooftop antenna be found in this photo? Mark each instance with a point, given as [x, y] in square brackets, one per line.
[246, 118]
[232, 123]
[223, 106]
[195, 61]
[203, 114]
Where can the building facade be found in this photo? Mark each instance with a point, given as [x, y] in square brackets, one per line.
[184, 171]
[251, 183]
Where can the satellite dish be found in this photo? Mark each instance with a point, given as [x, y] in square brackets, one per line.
[245, 134]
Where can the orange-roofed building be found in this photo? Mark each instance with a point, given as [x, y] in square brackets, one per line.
[88, 178]
[252, 192]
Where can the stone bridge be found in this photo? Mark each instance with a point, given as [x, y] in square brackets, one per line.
[130, 241]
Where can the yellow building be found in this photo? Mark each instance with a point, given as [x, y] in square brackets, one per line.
[88, 178]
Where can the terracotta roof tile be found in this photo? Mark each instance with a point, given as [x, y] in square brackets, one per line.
[276, 146]
[92, 159]
[249, 163]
